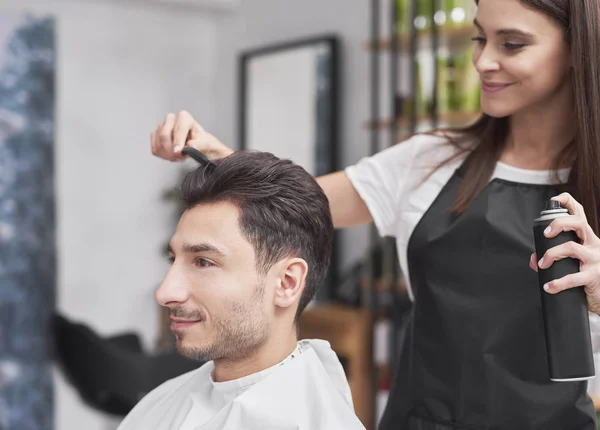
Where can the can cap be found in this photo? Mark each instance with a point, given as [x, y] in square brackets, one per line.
[552, 205]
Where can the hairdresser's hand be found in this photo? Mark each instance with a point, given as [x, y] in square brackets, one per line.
[177, 131]
[588, 253]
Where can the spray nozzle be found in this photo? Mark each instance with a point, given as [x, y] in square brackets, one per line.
[552, 205]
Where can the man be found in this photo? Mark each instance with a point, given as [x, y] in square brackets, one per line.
[248, 255]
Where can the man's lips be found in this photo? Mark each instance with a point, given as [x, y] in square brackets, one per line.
[178, 323]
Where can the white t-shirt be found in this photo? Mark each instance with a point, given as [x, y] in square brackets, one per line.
[394, 185]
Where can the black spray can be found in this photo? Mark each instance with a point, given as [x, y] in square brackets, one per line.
[566, 319]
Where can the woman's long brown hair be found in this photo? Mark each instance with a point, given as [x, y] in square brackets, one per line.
[487, 137]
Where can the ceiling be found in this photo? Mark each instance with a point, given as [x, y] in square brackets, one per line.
[213, 5]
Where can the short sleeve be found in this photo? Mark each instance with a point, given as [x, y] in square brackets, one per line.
[594, 383]
[595, 331]
[382, 180]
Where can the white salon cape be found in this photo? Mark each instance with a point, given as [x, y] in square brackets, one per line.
[306, 391]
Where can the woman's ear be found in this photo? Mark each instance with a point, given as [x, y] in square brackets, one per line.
[291, 281]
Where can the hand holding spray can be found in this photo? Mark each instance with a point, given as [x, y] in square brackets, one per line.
[566, 319]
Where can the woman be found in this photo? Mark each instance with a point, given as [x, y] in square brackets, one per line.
[461, 203]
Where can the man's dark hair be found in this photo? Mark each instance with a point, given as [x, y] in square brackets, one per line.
[284, 212]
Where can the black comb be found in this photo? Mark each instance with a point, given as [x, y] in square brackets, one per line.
[197, 155]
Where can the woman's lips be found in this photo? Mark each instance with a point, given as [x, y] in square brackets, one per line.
[493, 87]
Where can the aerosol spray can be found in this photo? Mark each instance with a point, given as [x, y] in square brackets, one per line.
[566, 319]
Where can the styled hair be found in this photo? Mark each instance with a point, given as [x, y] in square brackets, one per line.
[486, 138]
[283, 211]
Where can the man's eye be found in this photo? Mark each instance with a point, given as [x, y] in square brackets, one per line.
[202, 262]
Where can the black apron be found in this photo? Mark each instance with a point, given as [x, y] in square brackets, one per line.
[474, 353]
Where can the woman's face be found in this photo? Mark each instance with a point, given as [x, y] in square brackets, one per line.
[522, 58]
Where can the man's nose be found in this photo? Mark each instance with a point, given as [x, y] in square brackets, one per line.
[172, 289]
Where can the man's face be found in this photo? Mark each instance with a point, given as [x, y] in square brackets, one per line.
[216, 297]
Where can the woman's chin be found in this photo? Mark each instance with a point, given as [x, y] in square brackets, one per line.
[495, 111]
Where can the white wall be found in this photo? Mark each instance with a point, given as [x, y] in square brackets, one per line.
[120, 69]
[266, 22]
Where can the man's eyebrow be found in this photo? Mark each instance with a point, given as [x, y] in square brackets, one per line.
[506, 31]
[202, 247]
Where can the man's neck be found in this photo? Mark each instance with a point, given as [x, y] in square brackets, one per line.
[273, 351]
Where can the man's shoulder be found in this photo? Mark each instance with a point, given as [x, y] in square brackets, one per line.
[193, 376]
[163, 393]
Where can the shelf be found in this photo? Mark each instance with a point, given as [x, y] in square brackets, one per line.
[450, 37]
[452, 119]
[596, 401]
[383, 285]
[348, 330]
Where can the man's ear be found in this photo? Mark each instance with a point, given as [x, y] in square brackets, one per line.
[291, 281]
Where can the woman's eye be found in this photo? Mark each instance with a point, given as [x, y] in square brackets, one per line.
[507, 45]
[513, 46]
[171, 259]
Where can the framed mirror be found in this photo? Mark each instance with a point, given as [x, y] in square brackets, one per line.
[288, 105]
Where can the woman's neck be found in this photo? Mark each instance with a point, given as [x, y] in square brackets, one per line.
[535, 139]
